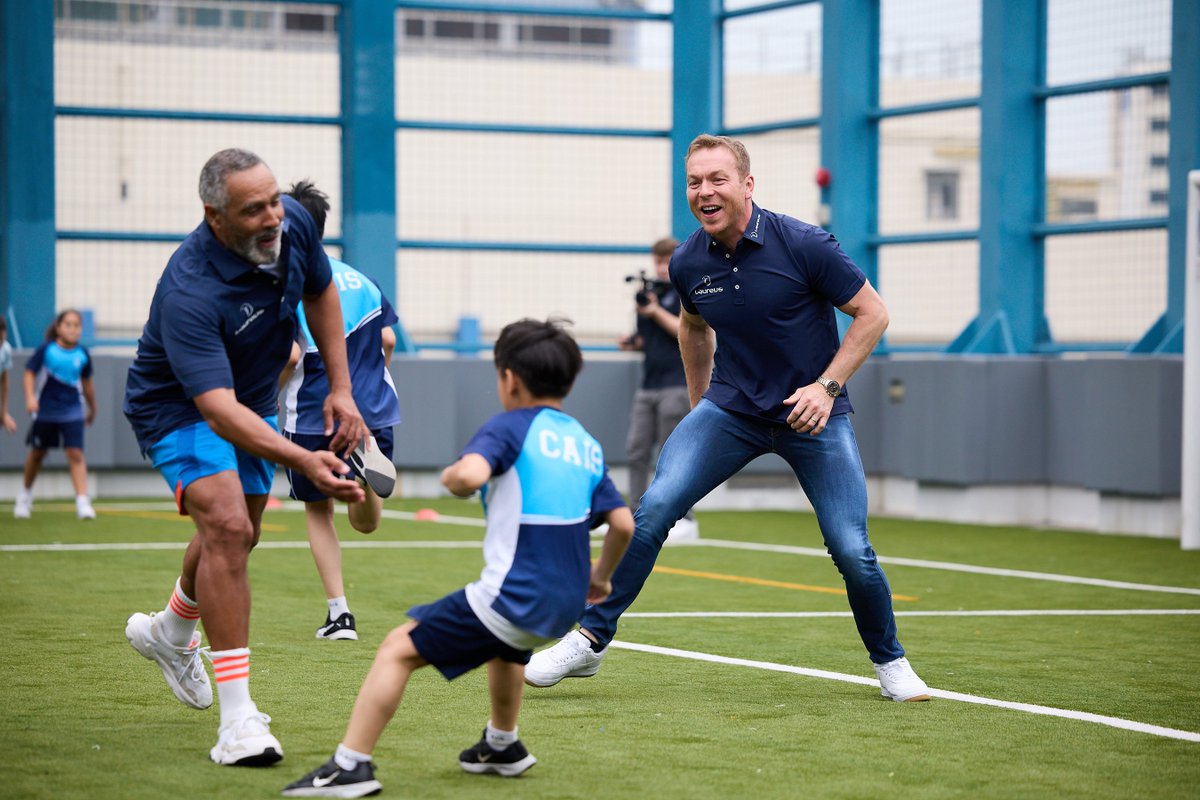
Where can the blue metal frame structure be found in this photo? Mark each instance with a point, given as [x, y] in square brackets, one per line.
[1011, 234]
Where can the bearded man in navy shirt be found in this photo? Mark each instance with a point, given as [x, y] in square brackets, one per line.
[201, 399]
[766, 373]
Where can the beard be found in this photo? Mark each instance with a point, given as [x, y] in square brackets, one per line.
[255, 252]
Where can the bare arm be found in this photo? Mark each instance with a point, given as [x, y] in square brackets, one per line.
[870, 320]
[659, 315]
[290, 368]
[466, 475]
[240, 426]
[389, 345]
[89, 396]
[324, 314]
[697, 343]
[620, 531]
[31, 401]
[6, 421]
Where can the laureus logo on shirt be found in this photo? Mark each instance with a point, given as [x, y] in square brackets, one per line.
[251, 315]
[708, 287]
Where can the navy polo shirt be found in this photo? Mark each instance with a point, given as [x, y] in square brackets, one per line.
[772, 305]
[219, 322]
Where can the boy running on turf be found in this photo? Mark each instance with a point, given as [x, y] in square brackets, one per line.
[544, 484]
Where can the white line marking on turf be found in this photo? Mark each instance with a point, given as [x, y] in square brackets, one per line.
[349, 545]
[946, 565]
[1029, 708]
[1036, 612]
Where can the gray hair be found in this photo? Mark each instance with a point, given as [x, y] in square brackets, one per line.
[213, 191]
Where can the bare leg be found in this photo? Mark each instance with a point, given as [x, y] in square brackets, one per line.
[225, 534]
[33, 465]
[506, 686]
[78, 468]
[382, 690]
[364, 516]
[323, 542]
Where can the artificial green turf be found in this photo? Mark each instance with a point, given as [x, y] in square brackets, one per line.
[84, 716]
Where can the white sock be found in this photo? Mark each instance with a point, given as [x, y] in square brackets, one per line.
[25, 494]
[337, 607]
[348, 759]
[177, 622]
[232, 671]
[498, 739]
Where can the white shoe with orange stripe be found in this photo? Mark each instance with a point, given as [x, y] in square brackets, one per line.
[181, 666]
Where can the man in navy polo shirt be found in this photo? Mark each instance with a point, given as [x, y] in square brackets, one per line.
[765, 287]
[201, 399]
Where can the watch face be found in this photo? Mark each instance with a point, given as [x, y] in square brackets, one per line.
[833, 388]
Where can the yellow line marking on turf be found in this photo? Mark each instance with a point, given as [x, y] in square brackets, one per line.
[803, 587]
[176, 517]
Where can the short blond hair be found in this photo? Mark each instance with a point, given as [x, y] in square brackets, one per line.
[707, 141]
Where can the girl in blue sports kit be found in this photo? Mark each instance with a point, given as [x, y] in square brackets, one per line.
[58, 385]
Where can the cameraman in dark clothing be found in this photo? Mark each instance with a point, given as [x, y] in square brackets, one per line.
[662, 400]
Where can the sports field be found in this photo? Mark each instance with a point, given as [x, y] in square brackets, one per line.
[1064, 665]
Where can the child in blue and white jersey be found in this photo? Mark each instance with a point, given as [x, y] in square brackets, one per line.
[60, 397]
[546, 486]
[6, 421]
[367, 317]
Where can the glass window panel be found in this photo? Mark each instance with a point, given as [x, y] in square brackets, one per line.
[1101, 152]
[929, 50]
[534, 188]
[1091, 40]
[913, 148]
[1105, 287]
[773, 66]
[497, 71]
[931, 290]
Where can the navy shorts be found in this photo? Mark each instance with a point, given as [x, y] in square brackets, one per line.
[303, 488]
[45, 435]
[453, 639]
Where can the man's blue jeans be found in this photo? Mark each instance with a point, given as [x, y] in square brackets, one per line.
[708, 447]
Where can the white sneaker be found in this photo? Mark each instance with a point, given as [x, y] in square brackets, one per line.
[181, 666]
[572, 657]
[23, 508]
[83, 507]
[246, 742]
[898, 682]
[685, 530]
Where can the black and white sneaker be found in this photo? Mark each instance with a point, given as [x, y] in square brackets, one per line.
[340, 628]
[370, 464]
[509, 762]
[330, 780]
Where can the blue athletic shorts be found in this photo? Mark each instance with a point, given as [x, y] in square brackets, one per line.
[47, 435]
[302, 487]
[188, 454]
[453, 639]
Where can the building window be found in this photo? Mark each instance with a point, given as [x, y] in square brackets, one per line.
[454, 29]
[1076, 207]
[1158, 160]
[941, 195]
[1158, 197]
[1158, 124]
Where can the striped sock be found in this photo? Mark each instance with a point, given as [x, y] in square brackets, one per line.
[177, 622]
[232, 671]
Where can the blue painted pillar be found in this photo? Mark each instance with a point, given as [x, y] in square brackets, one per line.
[1183, 157]
[697, 86]
[1012, 317]
[27, 235]
[849, 134]
[368, 78]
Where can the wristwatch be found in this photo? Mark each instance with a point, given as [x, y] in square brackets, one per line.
[832, 387]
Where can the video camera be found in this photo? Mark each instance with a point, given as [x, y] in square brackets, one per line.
[648, 286]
